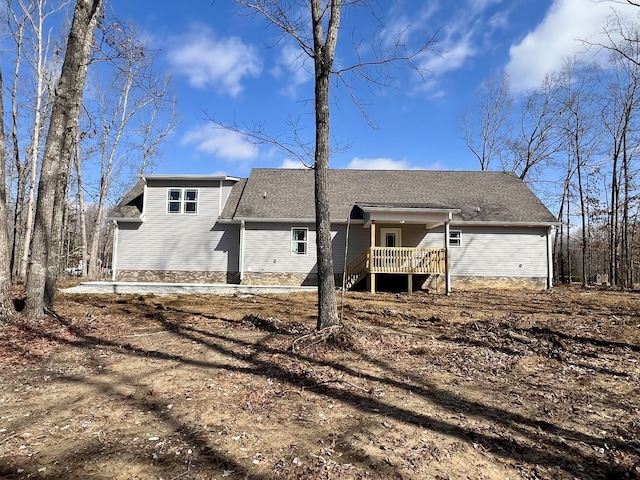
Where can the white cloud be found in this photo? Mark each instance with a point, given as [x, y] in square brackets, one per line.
[225, 144]
[465, 35]
[207, 61]
[377, 164]
[289, 163]
[454, 54]
[298, 66]
[561, 34]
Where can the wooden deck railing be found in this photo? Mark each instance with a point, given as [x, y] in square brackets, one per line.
[396, 260]
[407, 260]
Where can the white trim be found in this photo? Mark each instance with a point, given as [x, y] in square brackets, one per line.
[144, 200]
[447, 254]
[396, 231]
[306, 241]
[503, 224]
[188, 177]
[459, 238]
[241, 252]
[289, 220]
[114, 253]
[183, 201]
[549, 259]
[220, 198]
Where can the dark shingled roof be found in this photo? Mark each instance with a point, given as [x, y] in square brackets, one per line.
[232, 202]
[275, 193]
[131, 204]
[289, 194]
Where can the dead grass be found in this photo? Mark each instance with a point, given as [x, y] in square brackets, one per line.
[482, 385]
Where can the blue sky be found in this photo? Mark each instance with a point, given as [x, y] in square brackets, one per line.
[236, 68]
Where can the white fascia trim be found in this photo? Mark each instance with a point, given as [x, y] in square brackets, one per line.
[187, 177]
[461, 223]
[283, 220]
[410, 210]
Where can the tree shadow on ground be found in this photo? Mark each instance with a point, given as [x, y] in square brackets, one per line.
[546, 444]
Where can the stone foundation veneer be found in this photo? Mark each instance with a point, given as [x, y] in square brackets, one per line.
[433, 282]
[287, 279]
[437, 282]
[176, 276]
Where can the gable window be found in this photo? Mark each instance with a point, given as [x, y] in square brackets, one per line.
[299, 241]
[455, 238]
[182, 200]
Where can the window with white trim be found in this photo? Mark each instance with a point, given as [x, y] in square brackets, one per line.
[182, 200]
[299, 241]
[455, 238]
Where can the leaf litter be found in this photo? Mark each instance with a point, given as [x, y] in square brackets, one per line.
[483, 384]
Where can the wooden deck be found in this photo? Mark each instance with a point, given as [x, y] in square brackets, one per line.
[401, 260]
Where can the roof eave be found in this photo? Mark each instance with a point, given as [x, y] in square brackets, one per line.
[285, 220]
[188, 177]
[502, 223]
[125, 219]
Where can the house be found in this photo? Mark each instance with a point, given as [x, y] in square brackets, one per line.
[421, 228]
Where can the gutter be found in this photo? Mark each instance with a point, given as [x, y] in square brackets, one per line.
[238, 220]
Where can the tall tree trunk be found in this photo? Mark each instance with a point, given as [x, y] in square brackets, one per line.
[37, 24]
[59, 146]
[626, 258]
[55, 245]
[82, 215]
[613, 222]
[6, 303]
[324, 51]
[583, 217]
[18, 217]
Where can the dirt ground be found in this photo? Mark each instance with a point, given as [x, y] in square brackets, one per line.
[479, 385]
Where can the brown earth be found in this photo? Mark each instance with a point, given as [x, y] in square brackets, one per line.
[480, 385]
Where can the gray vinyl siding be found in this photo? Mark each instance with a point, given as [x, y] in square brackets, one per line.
[495, 252]
[268, 247]
[182, 242]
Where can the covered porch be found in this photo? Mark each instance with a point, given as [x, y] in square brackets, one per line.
[387, 254]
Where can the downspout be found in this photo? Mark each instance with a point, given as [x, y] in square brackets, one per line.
[447, 260]
[114, 255]
[549, 259]
[241, 253]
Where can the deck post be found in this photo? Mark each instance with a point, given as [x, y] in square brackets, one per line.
[549, 259]
[410, 283]
[446, 259]
[372, 275]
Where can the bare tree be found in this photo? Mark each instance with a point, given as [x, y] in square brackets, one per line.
[582, 135]
[134, 99]
[58, 150]
[537, 141]
[6, 303]
[30, 33]
[316, 35]
[620, 105]
[486, 131]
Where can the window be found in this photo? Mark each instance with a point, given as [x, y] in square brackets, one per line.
[182, 200]
[299, 237]
[455, 238]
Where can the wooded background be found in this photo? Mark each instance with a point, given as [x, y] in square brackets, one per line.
[575, 140]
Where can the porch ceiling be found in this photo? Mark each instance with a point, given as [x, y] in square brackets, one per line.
[430, 216]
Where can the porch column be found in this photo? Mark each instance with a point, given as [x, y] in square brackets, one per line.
[446, 259]
[549, 259]
[372, 276]
[114, 255]
[241, 252]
